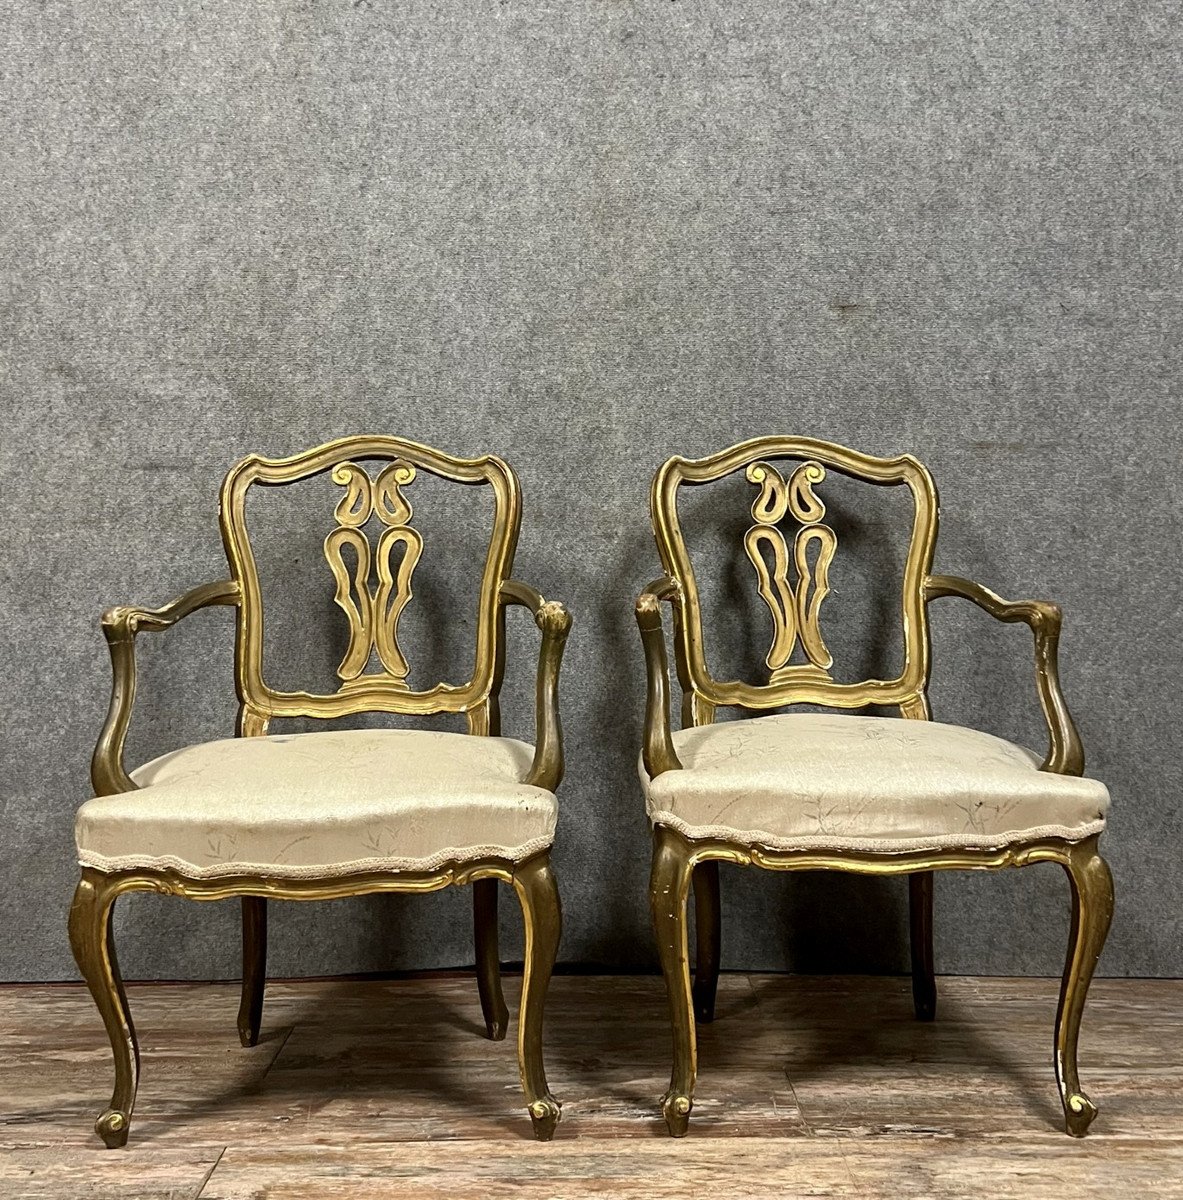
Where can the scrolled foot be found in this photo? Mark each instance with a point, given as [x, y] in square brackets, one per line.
[113, 1127]
[544, 1115]
[1092, 910]
[675, 1107]
[496, 1030]
[1079, 1114]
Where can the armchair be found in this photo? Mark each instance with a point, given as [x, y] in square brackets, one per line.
[316, 816]
[875, 795]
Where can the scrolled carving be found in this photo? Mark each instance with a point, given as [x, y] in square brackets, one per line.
[373, 614]
[795, 606]
[357, 504]
[392, 507]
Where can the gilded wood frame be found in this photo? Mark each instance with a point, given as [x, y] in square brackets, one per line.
[90, 924]
[369, 693]
[806, 688]
[680, 864]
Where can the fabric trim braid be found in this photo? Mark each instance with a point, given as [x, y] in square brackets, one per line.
[223, 870]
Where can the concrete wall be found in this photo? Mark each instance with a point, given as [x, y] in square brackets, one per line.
[587, 236]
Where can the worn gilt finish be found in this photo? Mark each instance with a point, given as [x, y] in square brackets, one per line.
[373, 616]
[795, 608]
[385, 691]
[680, 864]
[810, 687]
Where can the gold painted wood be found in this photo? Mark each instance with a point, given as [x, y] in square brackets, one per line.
[795, 608]
[554, 621]
[120, 626]
[678, 863]
[1066, 753]
[94, 952]
[369, 619]
[807, 686]
[373, 614]
[676, 858]
[657, 750]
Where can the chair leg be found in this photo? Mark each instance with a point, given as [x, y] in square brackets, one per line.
[706, 924]
[254, 968]
[669, 886]
[538, 894]
[93, 944]
[924, 984]
[1092, 911]
[488, 963]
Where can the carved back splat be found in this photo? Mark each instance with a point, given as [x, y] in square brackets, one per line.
[373, 578]
[373, 615]
[794, 607]
[792, 574]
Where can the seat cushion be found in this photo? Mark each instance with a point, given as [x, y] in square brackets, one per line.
[322, 804]
[876, 784]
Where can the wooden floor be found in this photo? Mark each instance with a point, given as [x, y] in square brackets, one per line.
[807, 1087]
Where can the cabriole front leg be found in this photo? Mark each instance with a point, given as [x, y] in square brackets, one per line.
[538, 894]
[669, 887]
[93, 944]
[1092, 912]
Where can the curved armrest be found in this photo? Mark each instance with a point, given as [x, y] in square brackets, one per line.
[657, 750]
[1066, 754]
[555, 622]
[120, 626]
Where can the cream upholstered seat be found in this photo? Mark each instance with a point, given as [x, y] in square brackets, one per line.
[829, 781]
[322, 804]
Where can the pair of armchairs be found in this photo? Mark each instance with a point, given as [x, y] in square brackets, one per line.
[349, 812]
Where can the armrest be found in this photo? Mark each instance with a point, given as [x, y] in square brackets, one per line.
[120, 626]
[555, 622]
[657, 748]
[1066, 754]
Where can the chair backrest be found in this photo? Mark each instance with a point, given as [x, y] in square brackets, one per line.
[372, 589]
[791, 571]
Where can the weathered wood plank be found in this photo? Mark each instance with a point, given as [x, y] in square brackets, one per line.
[807, 1086]
[145, 1174]
[861, 1066]
[720, 1168]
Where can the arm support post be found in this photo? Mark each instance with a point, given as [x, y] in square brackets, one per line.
[555, 623]
[1066, 754]
[120, 626]
[658, 751]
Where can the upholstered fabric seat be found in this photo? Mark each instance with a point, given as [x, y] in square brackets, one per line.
[317, 804]
[877, 784]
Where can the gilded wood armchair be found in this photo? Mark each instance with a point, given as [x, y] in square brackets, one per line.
[314, 816]
[876, 795]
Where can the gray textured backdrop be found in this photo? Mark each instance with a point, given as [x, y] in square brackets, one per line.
[586, 236]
